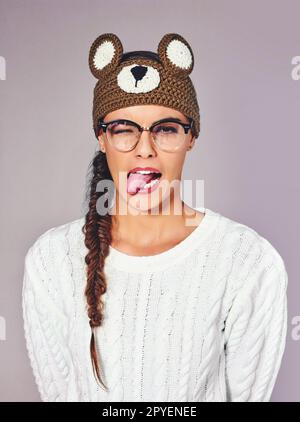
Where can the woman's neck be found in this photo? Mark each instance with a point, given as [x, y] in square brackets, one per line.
[150, 234]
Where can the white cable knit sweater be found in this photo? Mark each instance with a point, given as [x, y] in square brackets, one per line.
[203, 321]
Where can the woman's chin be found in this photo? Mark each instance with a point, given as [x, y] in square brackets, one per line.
[144, 203]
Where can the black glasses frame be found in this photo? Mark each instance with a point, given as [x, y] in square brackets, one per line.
[186, 126]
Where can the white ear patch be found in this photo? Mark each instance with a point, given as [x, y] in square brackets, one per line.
[138, 78]
[179, 54]
[104, 55]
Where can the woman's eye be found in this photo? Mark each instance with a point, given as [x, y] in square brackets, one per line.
[119, 129]
[165, 129]
[116, 132]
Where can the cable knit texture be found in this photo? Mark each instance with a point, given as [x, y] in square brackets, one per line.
[203, 321]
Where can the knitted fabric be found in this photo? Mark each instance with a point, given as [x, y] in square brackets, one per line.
[139, 80]
[203, 321]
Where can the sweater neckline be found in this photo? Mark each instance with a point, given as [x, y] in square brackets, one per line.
[162, 260]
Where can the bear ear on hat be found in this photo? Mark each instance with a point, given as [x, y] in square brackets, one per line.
[176, 54]
[105, 54]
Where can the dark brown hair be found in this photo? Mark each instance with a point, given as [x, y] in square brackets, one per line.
[97, 230]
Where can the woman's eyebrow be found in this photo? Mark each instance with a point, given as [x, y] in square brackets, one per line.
[177, 119]
[169, 118]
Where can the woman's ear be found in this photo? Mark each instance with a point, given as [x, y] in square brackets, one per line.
[192, 142]
[101, 143]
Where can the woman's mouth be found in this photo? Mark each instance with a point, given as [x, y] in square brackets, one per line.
[142, 183]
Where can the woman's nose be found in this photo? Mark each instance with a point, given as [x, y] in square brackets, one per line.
[145, 146]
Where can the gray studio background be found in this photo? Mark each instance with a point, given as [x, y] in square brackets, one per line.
[247, 152]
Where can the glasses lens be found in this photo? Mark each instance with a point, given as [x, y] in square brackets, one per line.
[169, 136]
[122, 135]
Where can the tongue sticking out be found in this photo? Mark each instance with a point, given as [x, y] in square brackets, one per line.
[137, 181]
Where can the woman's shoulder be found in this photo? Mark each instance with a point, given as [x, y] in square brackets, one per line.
[57, 241]
[247, 242]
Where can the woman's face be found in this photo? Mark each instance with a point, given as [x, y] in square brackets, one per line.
[145, 154]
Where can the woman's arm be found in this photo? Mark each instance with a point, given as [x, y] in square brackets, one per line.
[255, 330]
[45, 323]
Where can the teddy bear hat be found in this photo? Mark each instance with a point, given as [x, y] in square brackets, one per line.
[142, 80]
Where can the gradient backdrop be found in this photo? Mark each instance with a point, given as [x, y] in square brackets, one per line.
[248, 88]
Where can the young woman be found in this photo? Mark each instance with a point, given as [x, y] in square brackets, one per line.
[145, 298]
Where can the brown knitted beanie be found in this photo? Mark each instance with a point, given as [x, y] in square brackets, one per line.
[142, 80]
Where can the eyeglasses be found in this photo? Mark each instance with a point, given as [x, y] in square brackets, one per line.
[168, 134]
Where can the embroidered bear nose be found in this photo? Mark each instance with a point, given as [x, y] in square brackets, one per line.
[138, 72]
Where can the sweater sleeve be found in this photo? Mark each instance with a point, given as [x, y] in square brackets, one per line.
[255, 329]
[45, 324]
